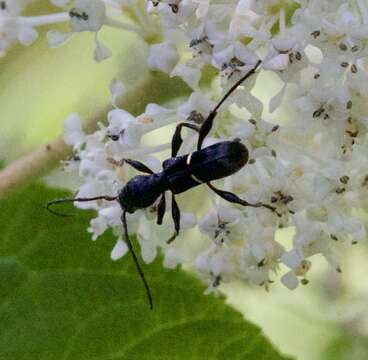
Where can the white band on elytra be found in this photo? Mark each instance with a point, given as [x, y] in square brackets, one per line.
[196, 179]
[189, 158]
[193, 176]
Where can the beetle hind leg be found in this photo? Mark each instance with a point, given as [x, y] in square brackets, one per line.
[233, 198]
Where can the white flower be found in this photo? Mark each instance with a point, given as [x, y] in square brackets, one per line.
[222, 225]
[163, 57]
[172, 12]
[292, 259]
[117, 90]
[290, 280]
[234, 60]
[201, 46]
[196, 109]
[153, 236]
[14, 28]
[87, 15]
[101, 52]
[119, 250]
[73, 133]
[189, 74]
[173, 258]
[57, 38]
[202, 8]
[215, 265]
[246, 23]
[123, 128]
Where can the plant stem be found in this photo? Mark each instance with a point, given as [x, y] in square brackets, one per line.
[154, 87]
[44, 19]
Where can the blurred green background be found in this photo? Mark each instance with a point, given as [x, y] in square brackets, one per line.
[39, 87]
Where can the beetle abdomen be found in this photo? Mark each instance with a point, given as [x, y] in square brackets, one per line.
[211, 163]
[219, 160]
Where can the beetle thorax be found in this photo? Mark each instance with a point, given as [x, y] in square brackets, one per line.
[140, 192]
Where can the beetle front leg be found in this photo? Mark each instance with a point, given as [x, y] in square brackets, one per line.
[175, 212]
[177, 140]
[138, 166]
[231, 197]
[135, 164]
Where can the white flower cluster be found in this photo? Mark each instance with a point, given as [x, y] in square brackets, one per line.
[81, 15]
[313, 168]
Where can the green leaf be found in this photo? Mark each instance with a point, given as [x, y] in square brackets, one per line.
[347, 346]
[63, 298]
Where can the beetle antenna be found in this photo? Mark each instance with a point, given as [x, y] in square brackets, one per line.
[62, 201]
[135, 259]
[207, 125]
[234, 87]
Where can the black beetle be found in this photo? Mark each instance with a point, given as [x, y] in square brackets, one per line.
[179, 174]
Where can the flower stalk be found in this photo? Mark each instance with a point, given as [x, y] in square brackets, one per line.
[44, 19]
[47, 157]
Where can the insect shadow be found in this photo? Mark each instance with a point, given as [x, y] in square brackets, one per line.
[179, 174]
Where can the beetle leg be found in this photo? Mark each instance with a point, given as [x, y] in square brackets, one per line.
[231, 197]
[207, 125]
[138, 166]
[206, 128]
[177, 139]
[175, 212]
[135, 259]
[161, 208]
